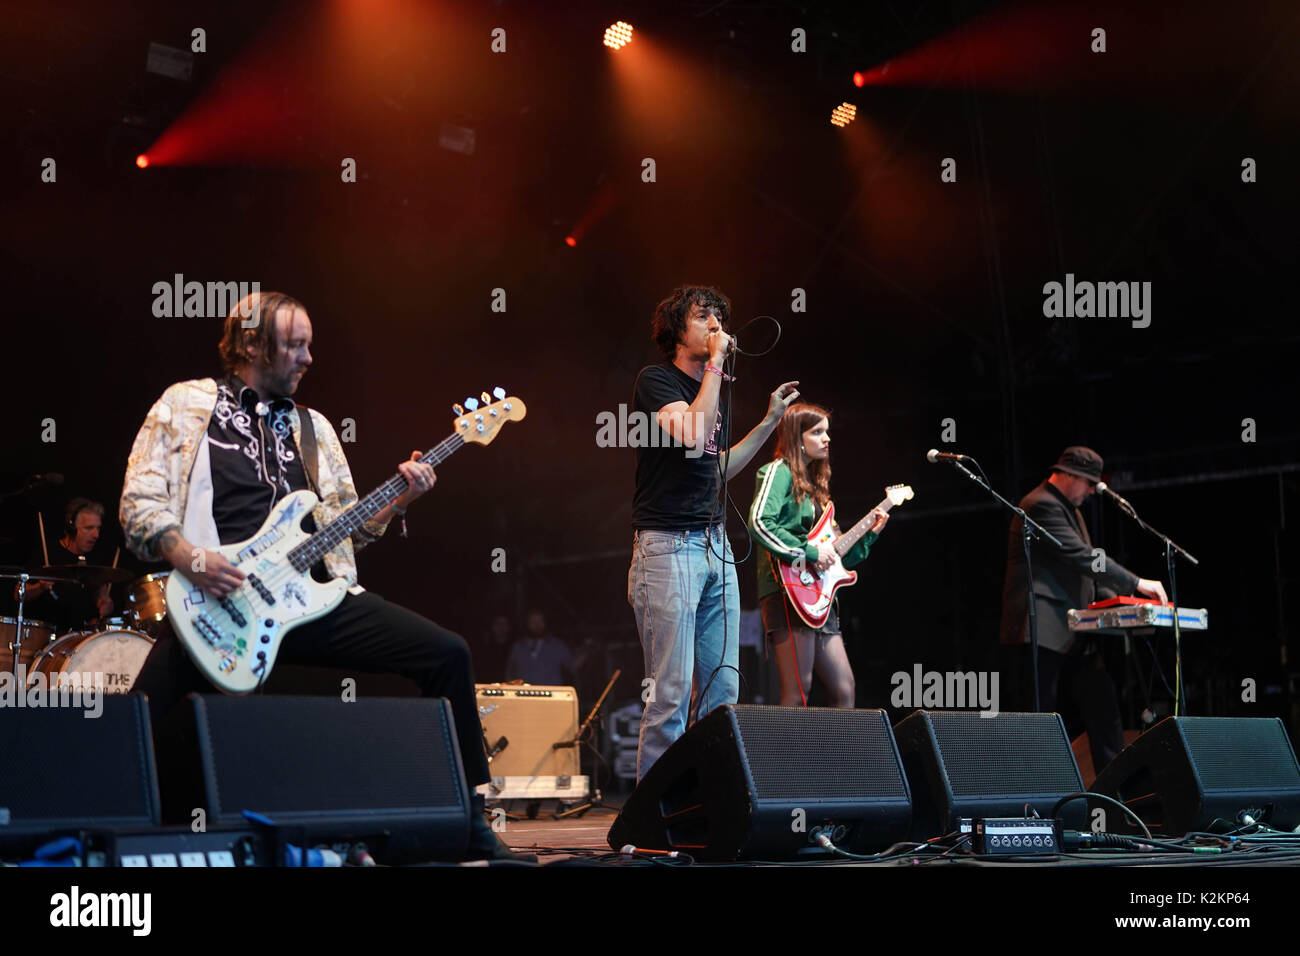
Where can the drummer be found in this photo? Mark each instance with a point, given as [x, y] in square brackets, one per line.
[70, 605]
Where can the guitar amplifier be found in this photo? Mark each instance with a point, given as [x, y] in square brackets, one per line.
[532, 718]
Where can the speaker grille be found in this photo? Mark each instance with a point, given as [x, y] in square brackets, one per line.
[59, 767]
[1029, 751]
[305, 756]
[1257, 750]
[801, 753]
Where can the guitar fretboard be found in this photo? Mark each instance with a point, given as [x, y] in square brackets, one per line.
[333, 534]
[849, 538]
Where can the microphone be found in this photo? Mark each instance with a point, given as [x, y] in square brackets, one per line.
[630, 850]
[50, 478]
[1105, 489]
[934, 455]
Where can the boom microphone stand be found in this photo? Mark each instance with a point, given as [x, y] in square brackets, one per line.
[1031, 528]
[1170, 550]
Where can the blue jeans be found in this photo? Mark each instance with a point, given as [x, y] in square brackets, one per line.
[687, 607]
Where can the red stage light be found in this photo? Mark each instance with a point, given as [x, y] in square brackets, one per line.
[142, 160]
[570, 241]
[618, 35]
[859, 79]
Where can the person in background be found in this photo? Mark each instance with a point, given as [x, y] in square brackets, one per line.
[539, 657]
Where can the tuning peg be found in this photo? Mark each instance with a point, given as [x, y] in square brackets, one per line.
[486, 398]
[456, 407]
[471, 403]
[498, 393]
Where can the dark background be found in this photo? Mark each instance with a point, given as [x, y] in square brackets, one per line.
[924, 298]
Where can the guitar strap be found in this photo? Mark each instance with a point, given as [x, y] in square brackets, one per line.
[307, 447]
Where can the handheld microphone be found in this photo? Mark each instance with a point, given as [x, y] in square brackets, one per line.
[1105, 489]
[934, 455]
[630, 850]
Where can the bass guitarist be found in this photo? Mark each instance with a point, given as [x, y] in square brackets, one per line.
[790, 494]
[206, 468]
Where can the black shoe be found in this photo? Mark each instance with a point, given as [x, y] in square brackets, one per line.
[484, 844]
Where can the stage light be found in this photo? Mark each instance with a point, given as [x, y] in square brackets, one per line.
[618, 35]
[859, 79]
[843, 114]
[142, 160]
[570, 241]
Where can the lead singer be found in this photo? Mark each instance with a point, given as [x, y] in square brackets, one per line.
[682, 582]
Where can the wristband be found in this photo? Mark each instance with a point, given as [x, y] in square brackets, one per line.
[401, 513]
[721, 374]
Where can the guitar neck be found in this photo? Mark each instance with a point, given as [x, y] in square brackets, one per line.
[849, 538]
[333, 534]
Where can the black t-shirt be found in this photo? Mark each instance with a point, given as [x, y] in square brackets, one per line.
[69, 604]
[254, 460]
[673, 492]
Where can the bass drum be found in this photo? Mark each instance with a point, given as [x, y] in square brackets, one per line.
[115, 655]
[146, 604]
[37, 635]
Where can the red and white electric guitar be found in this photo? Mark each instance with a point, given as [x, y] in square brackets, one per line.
[811, 591]
[234, 640]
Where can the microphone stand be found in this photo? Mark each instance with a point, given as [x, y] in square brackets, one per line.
[597, 799]
[1171, 549]
[1031, 528]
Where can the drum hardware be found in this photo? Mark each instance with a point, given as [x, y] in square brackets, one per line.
[36, 635]
[22, 577]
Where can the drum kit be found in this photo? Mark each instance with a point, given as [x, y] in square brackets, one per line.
[111, 651]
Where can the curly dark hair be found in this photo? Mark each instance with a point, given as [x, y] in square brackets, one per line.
[670, 315]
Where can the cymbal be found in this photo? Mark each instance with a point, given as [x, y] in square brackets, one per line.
[13, 573]
[90, 575]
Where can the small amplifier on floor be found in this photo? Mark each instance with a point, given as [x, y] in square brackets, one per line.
[529, 731]
[1013, 836]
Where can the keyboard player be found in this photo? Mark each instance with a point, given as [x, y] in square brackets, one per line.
[1071, 671]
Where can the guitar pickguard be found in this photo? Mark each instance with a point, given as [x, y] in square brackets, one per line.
[234, 640]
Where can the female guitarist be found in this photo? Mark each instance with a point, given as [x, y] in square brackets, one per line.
[791, 493]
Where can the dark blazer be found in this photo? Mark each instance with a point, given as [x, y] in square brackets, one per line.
[1063, 578]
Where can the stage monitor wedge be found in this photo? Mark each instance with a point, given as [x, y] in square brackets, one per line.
[962, 764]
[749, 782]
[1187, 772]
[69, 768]
[382, 770]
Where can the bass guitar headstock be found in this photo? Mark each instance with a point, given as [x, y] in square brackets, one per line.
[479, 421]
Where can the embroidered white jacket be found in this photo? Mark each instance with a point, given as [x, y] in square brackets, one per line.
[168, 483]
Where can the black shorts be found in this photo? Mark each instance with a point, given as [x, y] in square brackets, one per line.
[775, 607]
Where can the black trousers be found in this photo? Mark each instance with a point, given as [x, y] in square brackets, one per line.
[364, 632]
[1074, 685]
